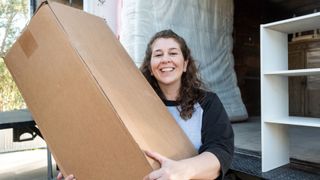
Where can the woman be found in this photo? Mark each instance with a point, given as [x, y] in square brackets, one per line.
[171, 71]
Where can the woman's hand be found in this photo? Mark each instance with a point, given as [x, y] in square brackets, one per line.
[170, 170]
[70, 177]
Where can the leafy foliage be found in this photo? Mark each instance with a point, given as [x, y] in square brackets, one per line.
[10, 97]
[13, 16]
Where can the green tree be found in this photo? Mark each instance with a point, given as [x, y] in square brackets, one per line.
[13, 16]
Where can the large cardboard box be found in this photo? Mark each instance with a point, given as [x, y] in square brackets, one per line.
[94, 108]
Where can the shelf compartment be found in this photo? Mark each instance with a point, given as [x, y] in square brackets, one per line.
[296, 72]
[295, 120]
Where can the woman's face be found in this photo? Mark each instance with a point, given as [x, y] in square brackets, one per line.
[167, 62]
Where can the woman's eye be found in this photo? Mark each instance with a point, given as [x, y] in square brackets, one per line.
[173, 53]
[157, 55]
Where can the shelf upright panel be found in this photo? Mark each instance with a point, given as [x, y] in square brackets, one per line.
[274, 99]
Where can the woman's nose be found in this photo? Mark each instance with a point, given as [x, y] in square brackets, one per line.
[166, 59]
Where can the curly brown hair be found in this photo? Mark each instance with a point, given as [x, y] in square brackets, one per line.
[190, 91]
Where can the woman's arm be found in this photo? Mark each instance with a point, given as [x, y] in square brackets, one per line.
[203, 166]
[217, 134]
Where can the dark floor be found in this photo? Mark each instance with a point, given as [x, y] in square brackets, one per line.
[246, 165]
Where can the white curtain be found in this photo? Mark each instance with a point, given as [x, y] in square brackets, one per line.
[207, 27]
[108, 10]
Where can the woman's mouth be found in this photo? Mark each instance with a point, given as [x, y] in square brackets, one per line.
[167, 69]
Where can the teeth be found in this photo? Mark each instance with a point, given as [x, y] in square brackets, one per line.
[167, 69]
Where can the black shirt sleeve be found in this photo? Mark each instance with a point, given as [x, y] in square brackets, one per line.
[216, 133]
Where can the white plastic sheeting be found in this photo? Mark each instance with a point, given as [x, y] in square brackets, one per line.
[107, 10]
[207, 27]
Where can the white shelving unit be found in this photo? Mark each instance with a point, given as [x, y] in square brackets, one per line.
[274, 88]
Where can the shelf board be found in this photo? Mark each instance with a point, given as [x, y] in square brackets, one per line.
[295, 120]
[297, 24]
[296, 72]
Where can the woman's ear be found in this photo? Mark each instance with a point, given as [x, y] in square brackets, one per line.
[149, 67]
[185, 65]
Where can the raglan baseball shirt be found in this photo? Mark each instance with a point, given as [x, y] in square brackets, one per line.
[208, 129]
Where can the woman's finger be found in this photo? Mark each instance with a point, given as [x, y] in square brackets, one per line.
[60, 176]
[156, 156]
[70, 177]
[153, 175]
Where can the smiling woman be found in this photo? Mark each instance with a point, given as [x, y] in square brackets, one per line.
[171, 71]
